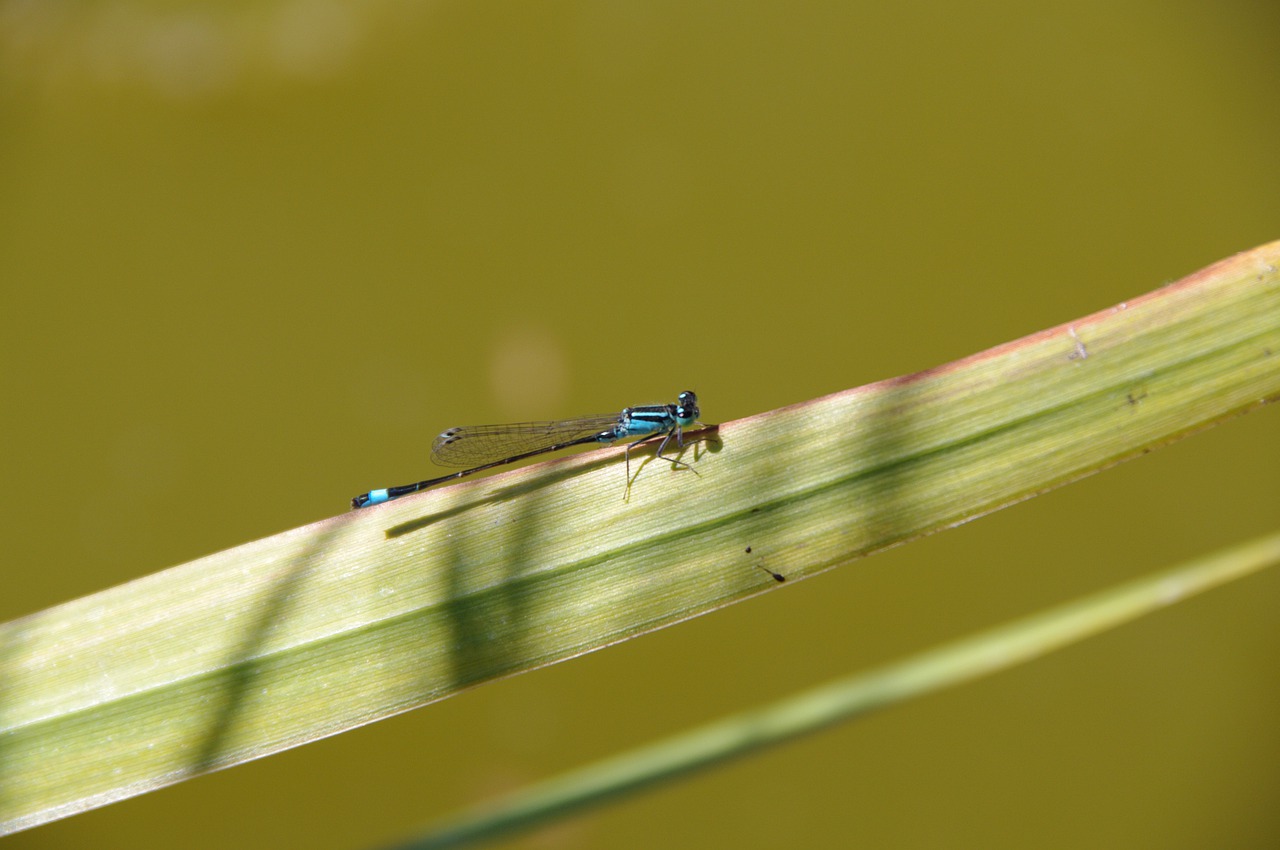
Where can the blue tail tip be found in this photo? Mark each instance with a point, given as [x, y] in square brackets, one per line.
[373, 497]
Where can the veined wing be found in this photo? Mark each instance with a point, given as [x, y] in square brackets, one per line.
[477, 445]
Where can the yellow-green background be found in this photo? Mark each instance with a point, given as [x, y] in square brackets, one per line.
[255, 255]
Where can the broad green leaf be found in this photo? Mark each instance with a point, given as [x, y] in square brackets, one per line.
[308, 633]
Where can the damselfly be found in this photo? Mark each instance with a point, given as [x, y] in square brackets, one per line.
[481, 447]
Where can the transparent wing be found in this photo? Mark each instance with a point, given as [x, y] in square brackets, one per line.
[477, 445]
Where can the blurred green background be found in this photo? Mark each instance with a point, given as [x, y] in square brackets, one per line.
[255, 255]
